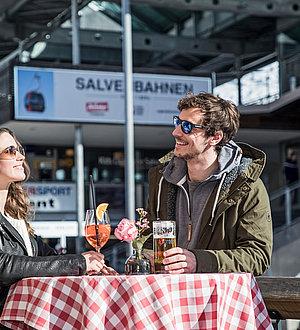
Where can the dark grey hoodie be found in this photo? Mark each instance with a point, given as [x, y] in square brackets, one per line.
[192, 196]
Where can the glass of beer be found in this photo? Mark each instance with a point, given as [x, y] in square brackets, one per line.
[97, 232]
[164, 238]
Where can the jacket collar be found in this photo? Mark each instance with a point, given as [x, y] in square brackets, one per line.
[11, 231]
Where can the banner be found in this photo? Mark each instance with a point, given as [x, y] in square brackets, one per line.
[56, 229]
[52, 197]
[98, 97]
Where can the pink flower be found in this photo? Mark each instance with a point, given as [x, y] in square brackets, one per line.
[134, 232]
[126, 230]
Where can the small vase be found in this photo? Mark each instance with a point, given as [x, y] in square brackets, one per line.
[137, 264]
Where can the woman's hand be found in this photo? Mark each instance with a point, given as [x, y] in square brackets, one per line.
[108, 271]
[95, 264]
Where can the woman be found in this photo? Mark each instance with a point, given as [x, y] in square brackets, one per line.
[22, 254]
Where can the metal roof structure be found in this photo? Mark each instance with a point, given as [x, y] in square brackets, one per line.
[190, 36]
[223, 39]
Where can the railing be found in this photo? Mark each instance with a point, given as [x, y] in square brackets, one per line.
[282, 294]
[284, 204]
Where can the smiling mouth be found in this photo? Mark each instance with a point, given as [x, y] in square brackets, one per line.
[181, 143]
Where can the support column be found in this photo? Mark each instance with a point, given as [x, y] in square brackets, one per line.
[129, 124]
[238, 75]
[78, 145]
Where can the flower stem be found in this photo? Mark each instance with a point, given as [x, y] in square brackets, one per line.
[139, 254]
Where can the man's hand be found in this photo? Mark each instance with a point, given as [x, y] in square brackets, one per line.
[178, 261]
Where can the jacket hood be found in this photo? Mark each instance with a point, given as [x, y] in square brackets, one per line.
[256, 159]
[229, 157]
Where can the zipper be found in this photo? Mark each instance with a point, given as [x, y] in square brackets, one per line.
[190, 225]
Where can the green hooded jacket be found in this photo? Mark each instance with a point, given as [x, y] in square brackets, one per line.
[236, 226]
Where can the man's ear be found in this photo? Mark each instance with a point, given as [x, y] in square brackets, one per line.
[216, 138]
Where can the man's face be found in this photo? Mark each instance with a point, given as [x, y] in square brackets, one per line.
[193, 145]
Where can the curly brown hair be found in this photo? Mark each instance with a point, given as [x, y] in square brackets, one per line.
[17, 203]
[218, 114]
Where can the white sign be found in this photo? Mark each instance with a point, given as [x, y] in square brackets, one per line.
[55, 229]
[92, 96]
[52, 197]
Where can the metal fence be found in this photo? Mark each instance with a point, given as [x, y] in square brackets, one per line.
[285, 205]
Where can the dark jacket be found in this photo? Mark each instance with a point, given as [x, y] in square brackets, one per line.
[15, 263]
[236, 226]
[291, 172]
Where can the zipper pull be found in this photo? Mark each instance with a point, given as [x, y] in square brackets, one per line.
[4, 232]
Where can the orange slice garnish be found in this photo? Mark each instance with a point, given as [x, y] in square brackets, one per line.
[101, 208]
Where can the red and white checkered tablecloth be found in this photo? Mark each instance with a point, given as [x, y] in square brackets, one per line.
[186, 301]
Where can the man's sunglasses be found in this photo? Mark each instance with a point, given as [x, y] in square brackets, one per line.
[186, 126]
[11, 152]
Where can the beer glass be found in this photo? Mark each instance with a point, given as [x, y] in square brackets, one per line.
[164, 238]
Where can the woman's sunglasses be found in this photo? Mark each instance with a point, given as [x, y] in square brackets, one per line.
[11, 152]
[186, 126]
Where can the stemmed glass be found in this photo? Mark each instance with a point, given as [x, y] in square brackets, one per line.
[97, 231]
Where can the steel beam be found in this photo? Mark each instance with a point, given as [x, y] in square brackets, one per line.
[18, 5]
[275, 8]
[217, 22]
[284, 24]
[7, 30]
[215, 64]
[40, 12]
[161, 42]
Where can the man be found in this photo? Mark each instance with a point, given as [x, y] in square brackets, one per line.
[211, 187]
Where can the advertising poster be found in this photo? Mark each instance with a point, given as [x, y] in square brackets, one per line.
[98, 97]
[52, 197]
[34, 93]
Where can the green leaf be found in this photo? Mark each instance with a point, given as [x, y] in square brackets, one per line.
[139, 242]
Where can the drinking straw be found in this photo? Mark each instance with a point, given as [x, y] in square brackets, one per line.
[92, 191]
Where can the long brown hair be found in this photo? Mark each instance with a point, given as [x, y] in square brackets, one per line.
[17, 202]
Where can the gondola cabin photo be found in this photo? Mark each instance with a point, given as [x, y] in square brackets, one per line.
[34, 101]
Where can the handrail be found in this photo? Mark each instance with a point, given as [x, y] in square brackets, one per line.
[281, 191]
[286, 192]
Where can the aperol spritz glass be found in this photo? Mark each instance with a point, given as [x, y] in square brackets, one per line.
[97, 232]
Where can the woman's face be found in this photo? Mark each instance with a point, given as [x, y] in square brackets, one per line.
[11, 161]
